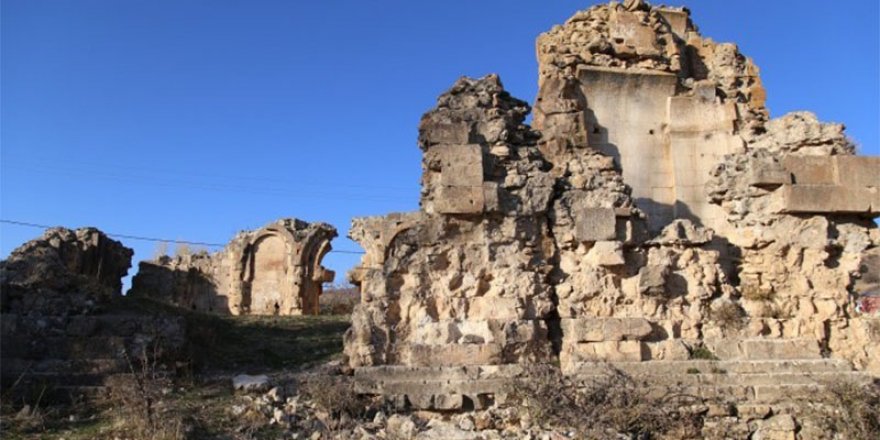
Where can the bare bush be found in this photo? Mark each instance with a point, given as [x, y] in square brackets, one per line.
[849, 408]
[336, 395]
[729, 316]
[138, 397]
[614, 404]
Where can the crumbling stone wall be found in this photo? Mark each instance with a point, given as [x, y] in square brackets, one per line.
[63, 268]
[463, 281]
[275, 270]
[62, 334]
[653, 210]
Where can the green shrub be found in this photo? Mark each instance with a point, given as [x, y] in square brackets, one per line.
[700, 352]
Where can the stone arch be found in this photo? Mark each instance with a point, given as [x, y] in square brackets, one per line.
[282, 272]
[268, 275]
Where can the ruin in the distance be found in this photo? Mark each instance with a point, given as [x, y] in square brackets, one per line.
[274, 270]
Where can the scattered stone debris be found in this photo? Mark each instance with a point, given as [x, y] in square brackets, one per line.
[248, 383]
[275, 270]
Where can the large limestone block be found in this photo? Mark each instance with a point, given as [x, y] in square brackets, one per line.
[445, 133]
[595, 224]
[858, 171]
[461, 165]
[628, 27]
[605, 329]
[460, 200]
[811, 170]
[454, 354]
[677, 20]
[490, 307]
[611, 351]
[781, 349]
[767, 348]
[769, 175]
[691, 114]
[828, 199]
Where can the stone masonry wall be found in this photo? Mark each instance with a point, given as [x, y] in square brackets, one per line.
[653, 210]
[275, 270]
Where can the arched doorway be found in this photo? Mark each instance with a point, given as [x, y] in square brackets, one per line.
[270, 268]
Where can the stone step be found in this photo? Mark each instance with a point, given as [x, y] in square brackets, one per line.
[63, 347]
[725, 379]
[796, 366]
[94, 365]
[57, 379]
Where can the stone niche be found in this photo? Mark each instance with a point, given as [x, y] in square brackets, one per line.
[275, 270]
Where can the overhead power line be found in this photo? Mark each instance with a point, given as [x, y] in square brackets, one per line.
[159, 240]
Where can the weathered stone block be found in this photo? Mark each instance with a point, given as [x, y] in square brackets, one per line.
[491, 307]
[858, 171]
[769, 175]
[677, 20]
[606, 253]
[811, 170]
[461, 165]
[460, 200]
[652, 280]
[605, 329]
[454, 354]
[595, 224]
[827, 198]
[445, 133]
[780, 349]
[448, 402]
[611, 351]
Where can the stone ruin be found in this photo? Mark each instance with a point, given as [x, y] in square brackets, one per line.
[274, 270]
[62, 334]
[653, 211]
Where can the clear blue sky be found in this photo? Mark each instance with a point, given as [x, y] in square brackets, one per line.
[192, 120]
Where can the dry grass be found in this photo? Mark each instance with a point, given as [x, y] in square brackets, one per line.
[335, 394]
[729, 316]
[613, 406]
[339, 300]
[848, 408]
[139, 398]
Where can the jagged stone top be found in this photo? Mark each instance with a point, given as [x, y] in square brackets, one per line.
[630, 35]
[65, 260]
[481, 110]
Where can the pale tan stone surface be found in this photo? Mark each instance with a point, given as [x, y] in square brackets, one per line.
[275, 270]
[653, 212]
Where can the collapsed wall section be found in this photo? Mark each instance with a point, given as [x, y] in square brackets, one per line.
[275, 270]
[62, 330]
[655, 213]
[464, 280]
